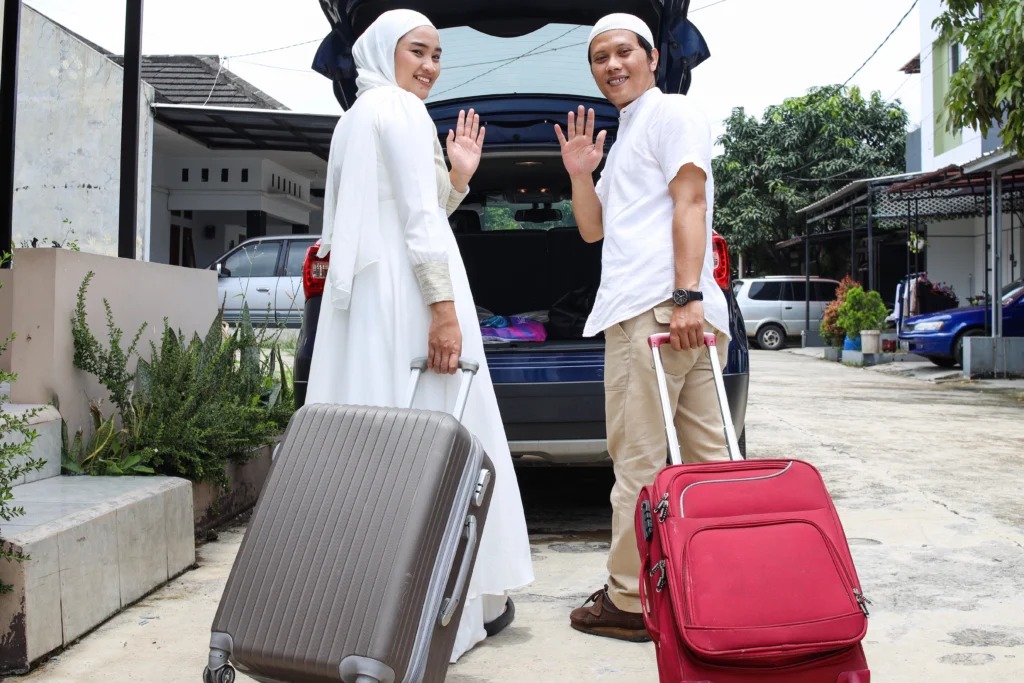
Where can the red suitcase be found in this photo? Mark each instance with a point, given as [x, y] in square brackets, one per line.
[746, 575]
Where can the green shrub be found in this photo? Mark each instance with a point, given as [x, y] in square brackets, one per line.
[832, 334]
[192, 407]
[861, 311]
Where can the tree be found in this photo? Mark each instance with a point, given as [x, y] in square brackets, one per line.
[799, 152]
[988, 88]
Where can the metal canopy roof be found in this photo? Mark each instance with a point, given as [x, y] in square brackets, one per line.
[228, 128]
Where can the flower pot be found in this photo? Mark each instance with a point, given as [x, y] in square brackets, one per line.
[869, 340]
[851, 344]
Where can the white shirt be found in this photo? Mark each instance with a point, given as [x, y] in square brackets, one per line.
[658, 134]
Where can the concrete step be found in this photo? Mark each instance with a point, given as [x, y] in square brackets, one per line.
[97, 544]
[47, 422]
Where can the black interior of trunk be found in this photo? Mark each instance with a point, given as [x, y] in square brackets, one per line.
[520, 271]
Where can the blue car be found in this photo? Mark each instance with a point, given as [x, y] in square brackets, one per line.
[940, 336]
[516, 232]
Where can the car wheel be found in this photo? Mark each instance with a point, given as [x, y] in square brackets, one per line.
[958, 345]
[771, 338]
[942, 361]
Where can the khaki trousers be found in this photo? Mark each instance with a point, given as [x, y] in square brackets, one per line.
[636, 430]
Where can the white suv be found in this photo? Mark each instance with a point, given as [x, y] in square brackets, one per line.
[775, 307]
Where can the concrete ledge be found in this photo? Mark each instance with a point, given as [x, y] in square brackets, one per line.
[987, 357]
[214, 506]
[97, 544]
[865, 360]
[47, 447]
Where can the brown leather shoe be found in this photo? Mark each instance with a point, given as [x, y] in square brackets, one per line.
[605, 619]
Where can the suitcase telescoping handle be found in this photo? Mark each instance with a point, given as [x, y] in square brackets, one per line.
[656, 341]
[468, 368]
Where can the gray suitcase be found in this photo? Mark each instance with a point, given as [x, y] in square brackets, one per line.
[357, 560]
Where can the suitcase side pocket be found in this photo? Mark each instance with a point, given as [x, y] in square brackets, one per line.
[746, 600]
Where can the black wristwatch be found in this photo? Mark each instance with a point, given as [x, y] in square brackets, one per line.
[681, 297]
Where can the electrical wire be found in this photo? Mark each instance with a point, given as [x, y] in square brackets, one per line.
[883, 43]
[503, 61]
[509, 61]
[275, 66]
[220, 67]
[697, 9]
[277, 49]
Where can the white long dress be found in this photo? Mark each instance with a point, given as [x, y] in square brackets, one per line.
[362, 354]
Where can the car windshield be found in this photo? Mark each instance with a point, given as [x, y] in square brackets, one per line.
[549, 61]
[1011, 291]
[502, 216]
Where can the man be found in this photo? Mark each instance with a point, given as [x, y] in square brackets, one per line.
[652, 207]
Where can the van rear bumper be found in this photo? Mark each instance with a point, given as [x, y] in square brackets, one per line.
[564, 423]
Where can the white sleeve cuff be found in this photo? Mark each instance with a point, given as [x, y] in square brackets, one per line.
[435, 282]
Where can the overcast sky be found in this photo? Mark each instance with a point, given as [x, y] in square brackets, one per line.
[763, 51]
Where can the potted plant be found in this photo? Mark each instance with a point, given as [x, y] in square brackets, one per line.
[832, 334]
[861, 316]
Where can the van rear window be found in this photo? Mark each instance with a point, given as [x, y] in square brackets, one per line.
[502, 216]
[765, 291]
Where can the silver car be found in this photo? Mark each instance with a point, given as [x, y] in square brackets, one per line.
[774, 308]
[266, 273]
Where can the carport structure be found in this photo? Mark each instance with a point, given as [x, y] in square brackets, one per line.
[897, 209]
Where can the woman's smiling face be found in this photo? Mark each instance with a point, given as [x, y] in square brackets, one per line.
[418, 61]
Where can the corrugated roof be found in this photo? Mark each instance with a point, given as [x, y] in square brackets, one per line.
[199, 80]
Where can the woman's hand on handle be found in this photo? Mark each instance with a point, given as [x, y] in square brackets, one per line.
[445, 339]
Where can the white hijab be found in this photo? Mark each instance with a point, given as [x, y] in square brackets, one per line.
[350, 202]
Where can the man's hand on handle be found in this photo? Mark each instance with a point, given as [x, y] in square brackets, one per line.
[580, 154]
[687, 327]
[445, 339]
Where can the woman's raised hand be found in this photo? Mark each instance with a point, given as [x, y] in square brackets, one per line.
[465, 145]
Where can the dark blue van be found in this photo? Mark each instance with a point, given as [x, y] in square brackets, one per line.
[522, 65]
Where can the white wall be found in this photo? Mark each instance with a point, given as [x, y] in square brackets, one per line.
[957, 254]
[971, 148]
[67, 154]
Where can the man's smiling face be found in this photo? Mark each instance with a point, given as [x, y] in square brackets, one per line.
[621, 67]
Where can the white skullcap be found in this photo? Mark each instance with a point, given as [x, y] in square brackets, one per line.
[622, 22]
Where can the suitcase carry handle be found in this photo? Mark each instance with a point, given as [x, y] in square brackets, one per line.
[468, 368]
[711, 342]
[451, 604]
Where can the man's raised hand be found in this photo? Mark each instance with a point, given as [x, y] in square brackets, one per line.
[580, 154]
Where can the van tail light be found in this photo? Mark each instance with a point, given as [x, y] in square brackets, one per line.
[314, 272]
[720, 256]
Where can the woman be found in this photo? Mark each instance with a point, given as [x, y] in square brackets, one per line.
[397, 288]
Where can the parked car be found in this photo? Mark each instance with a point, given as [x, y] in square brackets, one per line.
[266, 273]
[551, 394]
[939, 337]
[775, 307]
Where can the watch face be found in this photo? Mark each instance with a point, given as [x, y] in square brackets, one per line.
[681, 297]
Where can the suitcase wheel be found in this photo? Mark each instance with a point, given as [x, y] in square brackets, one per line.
[225, 674]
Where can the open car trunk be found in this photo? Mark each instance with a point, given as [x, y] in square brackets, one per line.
[551, 392]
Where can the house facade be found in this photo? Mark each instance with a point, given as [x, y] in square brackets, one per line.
[958, 250]
[219, 160]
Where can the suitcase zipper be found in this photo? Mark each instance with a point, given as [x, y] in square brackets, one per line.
[863, 601]
[662, 508]
[725, 481]
[663, 579]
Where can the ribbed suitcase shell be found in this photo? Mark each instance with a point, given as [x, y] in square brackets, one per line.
[362, 510]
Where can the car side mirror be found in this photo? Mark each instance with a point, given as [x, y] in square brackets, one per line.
[222, 271]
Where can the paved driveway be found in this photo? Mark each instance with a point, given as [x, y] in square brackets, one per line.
[927, 480]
